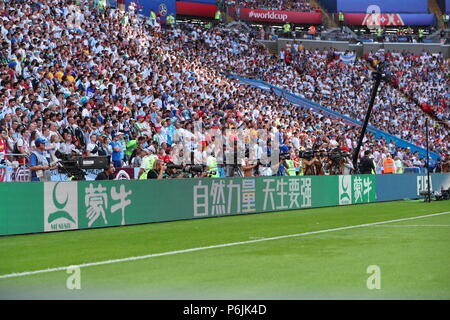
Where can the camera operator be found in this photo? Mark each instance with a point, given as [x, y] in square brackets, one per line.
[366, 165]
[39, 166]
[107, 174]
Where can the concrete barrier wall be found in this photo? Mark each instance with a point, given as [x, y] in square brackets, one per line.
[363, 48]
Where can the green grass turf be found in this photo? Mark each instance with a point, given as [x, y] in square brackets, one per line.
[413, 256]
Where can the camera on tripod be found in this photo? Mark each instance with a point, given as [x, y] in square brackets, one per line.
[442, 195]
[189, 169]
[74, 166]
[336, 155]
[311, 153]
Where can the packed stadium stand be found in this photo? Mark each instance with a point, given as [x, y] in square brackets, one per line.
[89, 88]
[294, 5]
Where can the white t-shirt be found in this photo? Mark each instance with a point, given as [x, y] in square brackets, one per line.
[23, 143]
[86, 113]
[90, 147]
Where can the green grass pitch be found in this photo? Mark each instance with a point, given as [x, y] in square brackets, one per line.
[413, 257]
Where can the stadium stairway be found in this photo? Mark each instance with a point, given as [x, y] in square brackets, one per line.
[327, 21]
[379, 134]
[434, 8]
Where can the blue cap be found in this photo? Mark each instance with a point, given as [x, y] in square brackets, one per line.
[39, 141]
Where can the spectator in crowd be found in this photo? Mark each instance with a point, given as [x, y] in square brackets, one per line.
[117, 150]
[3, 145]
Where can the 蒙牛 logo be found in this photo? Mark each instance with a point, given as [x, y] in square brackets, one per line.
[60, 206]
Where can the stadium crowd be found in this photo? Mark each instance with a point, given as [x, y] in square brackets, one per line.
[322, 77]
[127, 88]
[291, 5]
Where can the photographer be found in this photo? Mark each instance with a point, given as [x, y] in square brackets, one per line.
[339, 162]
[39, 166]
[175, 171]
[309, 161]
[285, 166]
[159, 171]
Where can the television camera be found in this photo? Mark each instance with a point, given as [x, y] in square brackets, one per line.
[334, 155]
[74, 166]
[187, 170]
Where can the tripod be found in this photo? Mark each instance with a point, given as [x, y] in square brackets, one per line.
[378, 76]
[233, 170]
[73, 173]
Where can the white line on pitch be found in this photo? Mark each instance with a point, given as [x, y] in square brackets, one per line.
[153, 255]
[417, 225]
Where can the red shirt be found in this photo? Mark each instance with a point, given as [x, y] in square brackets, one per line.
[2, 147]
[167, 158]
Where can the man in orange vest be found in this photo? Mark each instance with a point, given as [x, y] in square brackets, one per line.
[388, 165]
[312, 31]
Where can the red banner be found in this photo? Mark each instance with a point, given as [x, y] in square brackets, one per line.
[389, 19]
[278, 16]
[380, 19]
[196, 9]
